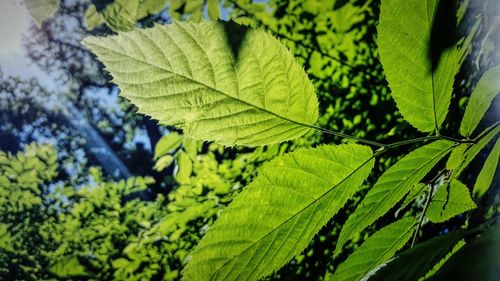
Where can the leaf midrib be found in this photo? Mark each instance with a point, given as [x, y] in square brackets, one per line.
[294, 215]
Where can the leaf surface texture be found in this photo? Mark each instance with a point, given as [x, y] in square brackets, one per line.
[186, 75]
[404, 34]
[392, 186]
[278, 214]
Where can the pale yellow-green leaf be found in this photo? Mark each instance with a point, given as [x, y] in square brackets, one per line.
[121, 15]
[449, 201]
[392, 186]
[163, 162]
[485, 177]
[482, 96]
[473, 150]
[456, 156]
[277, 215]
[185, 168]
[41, 10]
[186, 75]
[213, 9]
[92, 17]
[167, 143]
[421, 94]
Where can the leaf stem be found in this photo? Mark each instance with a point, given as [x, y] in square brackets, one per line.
[426, 206]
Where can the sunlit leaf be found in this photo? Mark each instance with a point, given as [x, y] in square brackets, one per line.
[277, 215]
[449, 201]
[484, 92]
[167, 143]
[485, 177]
[392, 187]
[422, 93]
[185, 74]
[377, 249]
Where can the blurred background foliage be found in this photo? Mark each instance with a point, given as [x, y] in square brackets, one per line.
[91, 191]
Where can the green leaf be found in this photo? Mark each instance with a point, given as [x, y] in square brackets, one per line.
[185, 166]
[473, 150]
[184, 74]
[41, 10]
[163, 162]
[68, 266]
[191, 148]
[449, 201]
[482, 96]
[477, 260]
[377, 249]
[415, 262]
[485, 177]
[277, 215]
[93, 18]
[421, 94]
[213, 9]
[121, 15]
[392, 187]
[456, 156]
[167, 143]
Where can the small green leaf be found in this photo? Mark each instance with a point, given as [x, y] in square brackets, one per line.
[485, 177]
[422, 94]
[121, 15]
[377, 249]
[415, 262]
[167, 143]
[392, 187]
[163, 162]
[277, 215]
[473, 150]
[185, 168]
[213, 9]
[456, 156]
[486, 90]
[449, 201]
[41, 10]
[92, 18]
[191, 148]
[186, 75]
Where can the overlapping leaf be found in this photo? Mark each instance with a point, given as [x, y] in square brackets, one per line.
[414, 263]
[278, 214]
[486, 90]
[185, 74]
[449, 201]
[422, 93]
[377, 249]
[392, 187]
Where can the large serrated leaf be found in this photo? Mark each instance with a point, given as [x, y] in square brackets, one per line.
[422, 93]
[486, 90]
[278, 214]
[377, 249]
[414, 263]
[449, 201]
[186, 74]
[392, 187]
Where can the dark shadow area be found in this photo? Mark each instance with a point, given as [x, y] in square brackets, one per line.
[235, 34]
[101, 4]
[443, 34]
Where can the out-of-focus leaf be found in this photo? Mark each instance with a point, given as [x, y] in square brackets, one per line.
[41, 10]
[167, 143]
[485, 177]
